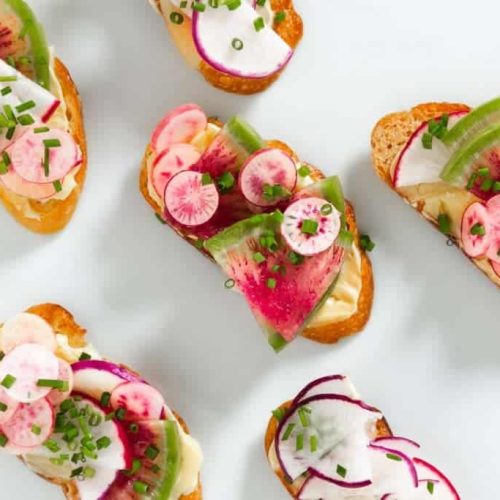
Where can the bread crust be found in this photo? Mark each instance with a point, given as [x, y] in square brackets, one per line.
[55, 214]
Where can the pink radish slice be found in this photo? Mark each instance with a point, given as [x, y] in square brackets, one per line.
[316, 487]
[493, 207]
[141, 401]
[56, 397]
[445, 489]
[29, 363]
[404, 445]
[476, 215]
[11, 404]
[496, 268]
[180, 125]
[27, 156]
[334, 384]
[188, 201]
[38, 415]
[306, 211]
[169, 162]
[26, 328]
[493, 252]
[15, 183]
[267, 167]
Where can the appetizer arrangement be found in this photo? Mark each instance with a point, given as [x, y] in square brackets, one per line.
[93, 427]
[444, 160]
[279, 229]
[327, 444]
[239, 46]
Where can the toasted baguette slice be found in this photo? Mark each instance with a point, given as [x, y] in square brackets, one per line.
[62, 321]
[326, 332]
[53, 215]
[290, 30]
[389, 137]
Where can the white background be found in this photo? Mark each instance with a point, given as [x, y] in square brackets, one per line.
[430, 356]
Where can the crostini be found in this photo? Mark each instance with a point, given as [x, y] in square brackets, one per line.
[42, 139]
[95, 428]
[282, 232]
[327, 444]
[443, 159]
[239, 46]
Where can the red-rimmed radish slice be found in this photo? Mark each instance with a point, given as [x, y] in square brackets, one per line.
[228, 41]
[27, 156]
[476, 230]
[142, 401]
[171, 161]
[310, 226]
[189, 201]
[404, 445]
[496, 268]
[28, 363]
[444, 489]
[315, 487]
[30, 425]
[26, 328]
[493, 207]
[267, 168]
[333, 384]
[493, 252]
[55, 396]
[10, 404]
[180, 125]
[15, 183]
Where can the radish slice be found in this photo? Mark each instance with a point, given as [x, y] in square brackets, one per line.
[267, 168]
[496, 268]
[187, 10]
[180, 125]
[21, 187]
[26, 328]
[189, 201]
[255, 54]
[444, 489]
[476, 218]
[28, 363]
[404, 445]
[315, 488]
[19, 430]
[11, 404]
[334, 384]
[141, 401]
[56, 397]
[171, 161]
[493, 252]
[310, 226]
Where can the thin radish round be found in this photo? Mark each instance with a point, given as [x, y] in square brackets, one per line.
[493, 207]
[493, 252]
[445, 489]
[496, 268]
[27, 364]
[8, 406]
[333, 384]
[189, 201]
[315, 487]
[26, 328]
[55, 396]
[267, 177]
[404, 445]
[180, 125]
[310, 226]
[30, 425]
[171, 161]
[15, 183]
[141, 401]
[28, 156]
[476, 230]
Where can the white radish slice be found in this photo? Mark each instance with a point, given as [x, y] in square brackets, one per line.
[443, 488]
[55, 396]
[142, 401]
[476, 216]
[404, 445]
[171, 161]
[27, 156]
[308, 211]
[417, 165]
[15, 183]
[30, 425]
[267, 167]
[10, 403]
[315, 488]
[189, 201]
[333, 384]
[331, 418]
[29, 363]
[26, 328]
[180, 125]
[262, 53]
[496, 268]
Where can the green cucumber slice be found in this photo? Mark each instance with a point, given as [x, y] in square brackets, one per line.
[244, 134]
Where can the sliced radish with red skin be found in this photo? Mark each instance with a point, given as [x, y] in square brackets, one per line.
[56, 397]
[333, 384]
[15, 183]
[493, 252]
[445, 489]
[306, 209]
[180, 125]
[26, 328]
[404, 445]
[493, 207]
[11, 404]
[496, 268]
[19, 429]
[267, 167]
[142, 401]
[188, 201]
[27, 156]
[315, 487]
[476, 245]
[171, 161]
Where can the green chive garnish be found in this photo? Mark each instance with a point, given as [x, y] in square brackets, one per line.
[140, 487]
[25, 120]
[427, 140]
[259, 24]
[261, 3]
[176, 18]
[136, 467]
[295, 258]
[341, 471]
[57, 186]
[8, 78]
[366, 243]
[258, 257]
[60, 385]
[278, 414]
[52, 445]
[120, 413]
[391, 456]
[88, 472]
[299, 442]
[430, 487]
[8, 381]
[471, 181]
[6, 90]
[225, 182]
[483, 172]
[2, 355]
[271, 283]
[199, 7]
[309, 226]
[36, 429]
[478, 230]
[313, 443]
[444, 222]
[237, 44]
[46, 158]
[233, 4]
[3, 440]
[3, 407]
[496, 187]
[155, 469]
[133, 428]
[229, 283]
[52, 143]
[280, 16]
[84, 356]
[326, 209]
[486, 185]
[288, 432]
[152, 452]
[25, 106]
[304, 171]
[41, 130]
[206, 179]
[304, 418]
[214, 4]
[183, 4]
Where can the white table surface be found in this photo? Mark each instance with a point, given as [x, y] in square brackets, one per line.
[430, 356]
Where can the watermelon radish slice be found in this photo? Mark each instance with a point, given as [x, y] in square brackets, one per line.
[310, 226]
[333, 384]
[263, 172]
[493, 204]
[56, 397]
[142, 401]
[181, 125]
[28, 363]
[174, 159]
[476, 230]
[190, 201]
[15, 183]
[443, 488]
[255, 54]
[493, 252]
[26, 328]
[10, 404]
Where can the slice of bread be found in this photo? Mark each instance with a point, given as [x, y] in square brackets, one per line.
[290, 30]
[388, 139]
[53, 215]
[62, 321]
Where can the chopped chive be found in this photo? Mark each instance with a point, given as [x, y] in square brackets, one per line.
[271, 283]
[176, 18]
[52, 445]
[57, 186]
[2, 355]
[229, 283]
[276, 268]
[199, 7]
[136, 467]
[88, 472]
[341, 471]
[3, 440]
[6, 90]
[6, 158]
[392, 456]
[206, 179]
[133, 428]
[183, 4]
[233, 4]
[483, 172]
[313, 443]
[46, 158]
[478, 230]
[366, 243]
[155, 469]
[8, 78]
[496, 187]
[3, 168]
[77, 472]
[258, 257]
[36, 429]
[214, 4]
[41, 130]
[140, 487]
[280, 16]
[261, 3]
[152, 452]
[444, 222]
[60, 385]
[288, 432]
[326, 209]
[84, 356]
[66, 405]
[120, 413]
[299, 442]
[3, 407]
[471, 181]
[25, 106]
[304, 418]
[427, 140]
[95, 420]
[278, 414]
[237, 44]
[25, 120]
[105, 398]
[304, 171]
[259, 24]
[430, 487]
[295, 258]
[8, 381]
[486, 185]
[52, 143]
[226, 182]
[309, 226]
